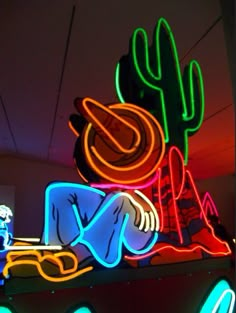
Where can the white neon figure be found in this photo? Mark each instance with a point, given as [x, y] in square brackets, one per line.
[5, 218]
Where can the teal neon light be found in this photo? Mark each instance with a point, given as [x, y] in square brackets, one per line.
[83, 310]
[143, 251]
[119, 254]
[122, 239]
[221, 299]
[147, 65]
[3, 309]
[59, 185]
[76, 214]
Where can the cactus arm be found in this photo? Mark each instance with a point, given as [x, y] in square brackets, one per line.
[194, 86]
[141, 61]
[141, 56]
[194, 112]
[154, 73]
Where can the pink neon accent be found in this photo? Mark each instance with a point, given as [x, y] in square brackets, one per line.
[160, 200]
[203, 213]
[209, 205]
[198, 199]
[174, 196]
[142, 186]
[171, 169]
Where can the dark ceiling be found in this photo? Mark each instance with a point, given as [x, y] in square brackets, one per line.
[53, 51]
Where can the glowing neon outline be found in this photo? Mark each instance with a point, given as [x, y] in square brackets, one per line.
[122, 239]
[9, 239]
[186, 174]
[193, 63]
[160, 199]
[73, 129]
[80, 174]
[179, 250]
[48, 257]
[207, 202]
[154, 211]
[147, 155]
[33, 247]
[82, 309]
[220, 290]
[135, 109]
[104, 162]
[93, 120]
[117, 85]
[203, 214]
[5, 209]
[142, 186]
[170, 158]
[4, 309]
[27, 239]
[58, 185]
[174, 196]
[175, 54]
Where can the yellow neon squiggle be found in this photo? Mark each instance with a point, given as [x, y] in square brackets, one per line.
[55, 258]
[147, 225]
[140, 207]
[152, 221]
[154, 211]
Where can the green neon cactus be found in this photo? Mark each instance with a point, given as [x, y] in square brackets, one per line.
[151, 77]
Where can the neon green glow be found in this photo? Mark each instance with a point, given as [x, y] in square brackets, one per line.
[156, 77]
[189, 116]
[142, 56]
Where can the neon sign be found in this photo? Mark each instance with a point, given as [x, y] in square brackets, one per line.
[182, 216]
[132, 221]
[67, 204]
[138, 203]
[151, 77]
